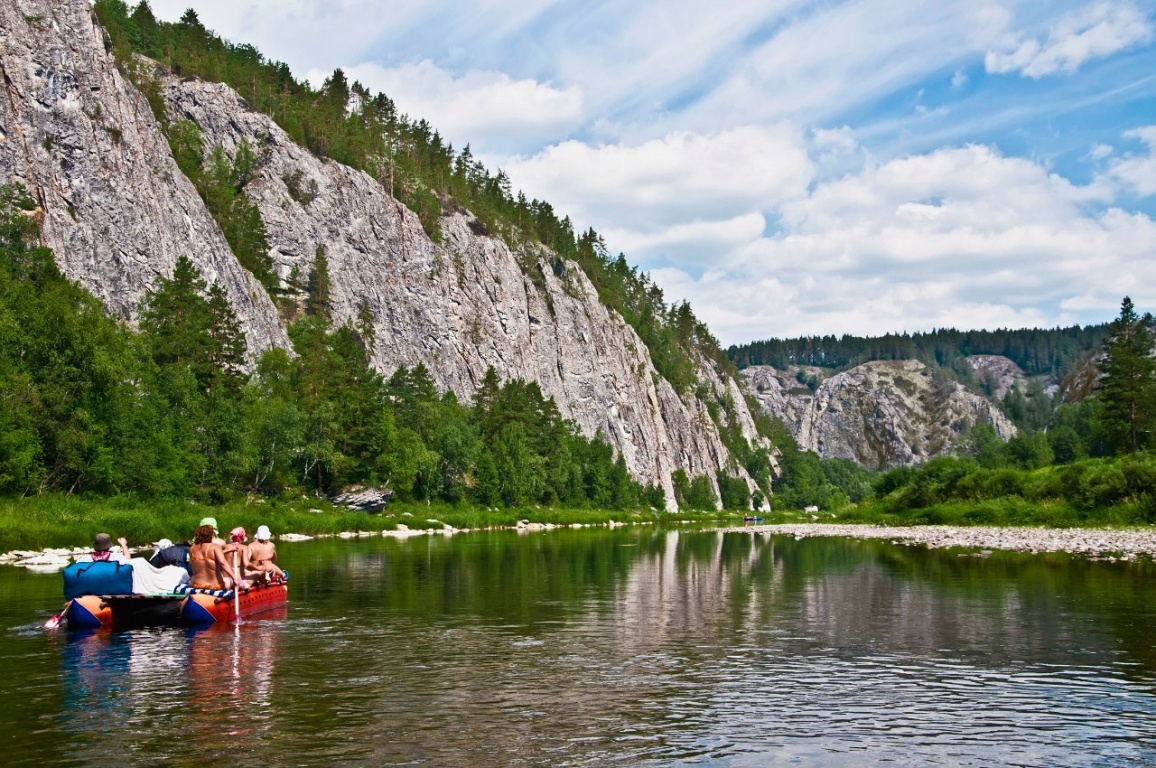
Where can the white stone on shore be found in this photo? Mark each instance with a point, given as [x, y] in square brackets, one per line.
[402, 527]
[44, 563]
[294, 537]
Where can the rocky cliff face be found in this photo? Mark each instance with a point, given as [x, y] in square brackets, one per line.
[880, 414]
[467, 303]
[118, 213]
[82, 140]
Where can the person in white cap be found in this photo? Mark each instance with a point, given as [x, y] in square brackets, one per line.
[263, 554]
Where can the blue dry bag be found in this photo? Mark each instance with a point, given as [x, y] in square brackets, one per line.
[102, 578]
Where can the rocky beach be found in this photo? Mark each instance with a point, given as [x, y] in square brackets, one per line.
[1124, 544]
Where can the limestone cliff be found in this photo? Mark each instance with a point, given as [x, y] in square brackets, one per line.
[467, 303]
[82, 140]
[880, 414]
[118, 212]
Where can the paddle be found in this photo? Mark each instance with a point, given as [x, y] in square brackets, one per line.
[236, 583]
[55, 621]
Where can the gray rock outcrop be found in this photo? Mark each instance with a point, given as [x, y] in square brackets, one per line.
[880, 414]
[469, 302]
[82, 140]
[118, 213]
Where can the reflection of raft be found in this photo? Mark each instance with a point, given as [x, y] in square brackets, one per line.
[210, 606]
[100, 595]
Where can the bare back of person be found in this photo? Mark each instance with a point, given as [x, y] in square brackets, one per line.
[263, 558]
[205, 569]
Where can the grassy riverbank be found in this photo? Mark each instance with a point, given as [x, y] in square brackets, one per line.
[1002, 512]
[60, 521]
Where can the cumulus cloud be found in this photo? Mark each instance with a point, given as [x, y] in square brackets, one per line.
[1138, 172]
[1092, 32]
[962, 237]
[489, 109]
[684, 177]
[305, 33]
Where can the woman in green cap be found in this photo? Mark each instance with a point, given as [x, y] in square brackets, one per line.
[212, 523]
[208, 566]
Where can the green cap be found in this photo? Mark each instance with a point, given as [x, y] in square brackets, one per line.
[210, 521]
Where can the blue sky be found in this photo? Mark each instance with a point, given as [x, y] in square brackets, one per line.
[792, 167]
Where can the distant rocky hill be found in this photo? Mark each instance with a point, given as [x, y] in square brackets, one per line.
[883, 413]
[118, 212]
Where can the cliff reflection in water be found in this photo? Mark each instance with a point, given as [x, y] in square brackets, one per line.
[633, 647]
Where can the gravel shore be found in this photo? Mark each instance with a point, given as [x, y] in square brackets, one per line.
[1081, 541]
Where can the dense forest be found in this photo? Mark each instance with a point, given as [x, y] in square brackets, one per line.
[90, 406]
[1037, 351]
[347, 123]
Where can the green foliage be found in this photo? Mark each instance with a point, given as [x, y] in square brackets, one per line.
[733, 492]
[700, 495]
[1127, 390]
[90, 406]
[1088, 488]
[1036, 351]
[807, 482]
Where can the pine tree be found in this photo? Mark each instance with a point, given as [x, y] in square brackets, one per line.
[1128, 387]
[226, 342]
[317, 295]
[176, 316]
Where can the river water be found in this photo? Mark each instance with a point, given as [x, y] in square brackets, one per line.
[594, 647]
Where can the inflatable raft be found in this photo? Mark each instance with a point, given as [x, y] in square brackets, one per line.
[99, 595]
[211, 606]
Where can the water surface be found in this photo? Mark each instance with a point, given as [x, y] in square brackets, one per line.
[594, 647]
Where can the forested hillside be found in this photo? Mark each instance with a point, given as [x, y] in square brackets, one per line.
[1037, 351]
[88, 405]
[345, 122]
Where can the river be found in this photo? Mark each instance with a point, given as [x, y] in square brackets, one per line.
[636, 646]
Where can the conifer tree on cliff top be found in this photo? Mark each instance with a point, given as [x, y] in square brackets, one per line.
[1128, 386]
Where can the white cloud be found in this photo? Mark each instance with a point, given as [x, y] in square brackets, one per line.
[488, 109]
[1100, 151]
[1095, 31]
[958, 237]
[305, 33]
[959, 79]
[683, 177]
[1138, 172]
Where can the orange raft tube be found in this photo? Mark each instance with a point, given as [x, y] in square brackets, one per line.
[214, 606]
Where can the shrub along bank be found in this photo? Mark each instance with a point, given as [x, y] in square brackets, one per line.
[959, 491]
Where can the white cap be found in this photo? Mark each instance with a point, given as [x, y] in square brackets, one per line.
[263, 533]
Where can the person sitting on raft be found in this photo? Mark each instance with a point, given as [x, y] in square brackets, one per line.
[238, 547]
[263, 555]
[208, 565]
[102, 550]
[170, 554]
